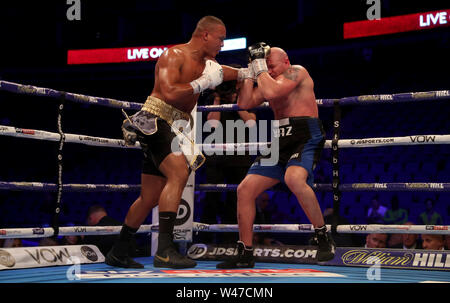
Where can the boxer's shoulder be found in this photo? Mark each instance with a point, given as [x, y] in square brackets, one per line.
[295, 72]
[175, 53]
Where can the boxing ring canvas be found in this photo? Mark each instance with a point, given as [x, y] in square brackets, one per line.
[206, 273]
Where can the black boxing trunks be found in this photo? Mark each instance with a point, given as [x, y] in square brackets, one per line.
[159, 130]
[301, 140]
[156, 147]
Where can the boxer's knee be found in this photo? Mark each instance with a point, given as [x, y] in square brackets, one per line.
[180, 177]
[295, 179]
[241, 190]
[245, 191]
[148, 202]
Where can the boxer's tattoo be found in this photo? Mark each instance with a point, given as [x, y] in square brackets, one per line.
[292, 73]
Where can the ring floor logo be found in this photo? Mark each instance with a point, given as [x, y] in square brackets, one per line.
[207, 273]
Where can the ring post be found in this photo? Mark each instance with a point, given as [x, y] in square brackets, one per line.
[335, 165]
[59, 190]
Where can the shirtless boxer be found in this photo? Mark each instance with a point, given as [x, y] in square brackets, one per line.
[181, 74]
[289, 90]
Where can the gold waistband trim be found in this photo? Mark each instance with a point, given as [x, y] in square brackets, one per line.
[165, 111]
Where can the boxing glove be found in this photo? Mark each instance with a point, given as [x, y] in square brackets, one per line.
[258, 53]
[246, 73]
[211, 77]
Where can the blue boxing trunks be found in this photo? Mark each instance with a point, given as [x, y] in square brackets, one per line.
[301, 140]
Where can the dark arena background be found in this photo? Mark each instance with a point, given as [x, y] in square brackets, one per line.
[396, 162]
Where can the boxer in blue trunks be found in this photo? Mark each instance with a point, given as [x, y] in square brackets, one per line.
[289, 90]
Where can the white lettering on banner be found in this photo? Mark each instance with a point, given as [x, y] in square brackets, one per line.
[386, 97]
[437, 185]
[144, 53]
[431, 260]
[443, 93]
[380, 185]
[431, 19]
[138, 54]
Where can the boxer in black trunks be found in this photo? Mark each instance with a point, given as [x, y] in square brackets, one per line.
[181, 73]
[289, 90]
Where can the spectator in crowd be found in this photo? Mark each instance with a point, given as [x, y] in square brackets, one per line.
[447, 242]
[9, 243]
[395, 216]
[376, 241]
[376, 212]
[430, 216]
[435, 242]
[230, 169]
[409, 241]
[72, 240]
[48, 242]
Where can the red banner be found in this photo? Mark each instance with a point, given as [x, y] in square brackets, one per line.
[397, 24]
[115, 55]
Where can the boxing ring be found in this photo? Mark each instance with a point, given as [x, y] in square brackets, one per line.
[98, 272]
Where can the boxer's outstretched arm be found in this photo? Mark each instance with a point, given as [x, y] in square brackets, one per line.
[229, 73]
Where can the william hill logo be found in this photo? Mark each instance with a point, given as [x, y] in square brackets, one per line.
[364, 257]
[426, 260]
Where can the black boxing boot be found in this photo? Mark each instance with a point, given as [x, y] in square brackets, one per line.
[244, 258]
[326, 244]
[168, 256]
[118, 256]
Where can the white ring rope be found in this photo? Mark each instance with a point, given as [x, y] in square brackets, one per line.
[75, 187]
[69, 138]
[44, 232]
[363, 99]
[308, 228]
[209, 148]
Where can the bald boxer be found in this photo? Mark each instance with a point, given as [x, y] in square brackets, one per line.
[289, 90]
[181, 74]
